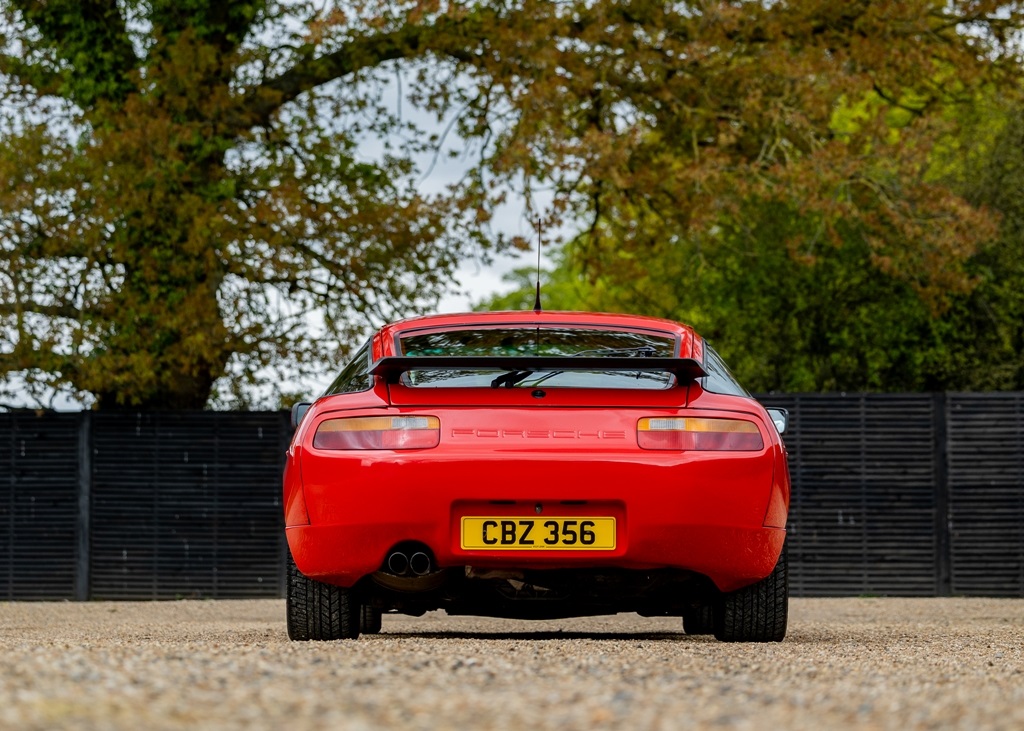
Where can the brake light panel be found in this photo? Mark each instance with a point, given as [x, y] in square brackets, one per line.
[699, 434]
[378, 432]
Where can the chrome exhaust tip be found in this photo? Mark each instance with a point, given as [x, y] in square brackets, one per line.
[419, 563]
[398, 563]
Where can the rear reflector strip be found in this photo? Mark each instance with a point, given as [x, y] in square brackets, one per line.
[699, 434]
[379, 432]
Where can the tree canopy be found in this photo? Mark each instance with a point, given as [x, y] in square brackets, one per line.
[836, 321]
[862, 235]
[191, 187]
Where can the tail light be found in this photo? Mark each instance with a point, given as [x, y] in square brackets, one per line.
[379, 432]
[699, 434]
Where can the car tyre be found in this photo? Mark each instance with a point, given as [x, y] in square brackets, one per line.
[756, 613]
[319, 611]
[699, 620]
[369, 620]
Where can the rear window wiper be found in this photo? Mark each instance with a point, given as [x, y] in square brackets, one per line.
[511, 378]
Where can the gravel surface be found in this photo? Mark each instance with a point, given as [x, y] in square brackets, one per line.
[847, 663]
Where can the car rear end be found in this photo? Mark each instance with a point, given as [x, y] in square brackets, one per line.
[537, 469]
[716, 510]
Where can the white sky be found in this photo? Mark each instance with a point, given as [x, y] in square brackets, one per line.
[475, 282]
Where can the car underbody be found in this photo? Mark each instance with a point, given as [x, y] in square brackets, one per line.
[755, 613]
[538, 594]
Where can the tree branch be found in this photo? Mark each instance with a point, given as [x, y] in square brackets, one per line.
[893, 101]
[25, 359]
[61, 310]
[451, 37]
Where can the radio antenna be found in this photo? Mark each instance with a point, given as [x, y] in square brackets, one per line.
[540, 241]
[536, 302]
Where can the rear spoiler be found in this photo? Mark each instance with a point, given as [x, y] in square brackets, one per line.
[392, 367]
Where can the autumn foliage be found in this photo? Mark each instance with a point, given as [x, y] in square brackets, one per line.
[195, 188]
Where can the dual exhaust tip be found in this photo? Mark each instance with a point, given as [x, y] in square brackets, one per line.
[400, 563]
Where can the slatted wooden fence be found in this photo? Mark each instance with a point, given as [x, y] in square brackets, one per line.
[908, 495]
[141, 506]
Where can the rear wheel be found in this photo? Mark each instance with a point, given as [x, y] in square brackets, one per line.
[318, 611]
[699, 620]
[756, 613]
[369, 620]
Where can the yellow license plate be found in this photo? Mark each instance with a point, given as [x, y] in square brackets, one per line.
[512, 533]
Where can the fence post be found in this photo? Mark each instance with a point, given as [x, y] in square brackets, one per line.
[83, 528]
[943, 568]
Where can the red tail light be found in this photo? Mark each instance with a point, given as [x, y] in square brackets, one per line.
[699, 434]
[379, 432]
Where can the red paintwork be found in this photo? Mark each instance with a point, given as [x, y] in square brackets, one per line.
[722, 515]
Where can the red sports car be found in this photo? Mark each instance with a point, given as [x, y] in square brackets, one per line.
[537, 465]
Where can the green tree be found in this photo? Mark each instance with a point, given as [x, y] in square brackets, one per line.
[182, 185]
[836, 323]
[834, 320]
[884, 254]
[983, 332]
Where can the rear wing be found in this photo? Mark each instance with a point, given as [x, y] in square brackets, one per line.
[392, 367]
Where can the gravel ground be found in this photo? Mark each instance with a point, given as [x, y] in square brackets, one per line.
[847, 663]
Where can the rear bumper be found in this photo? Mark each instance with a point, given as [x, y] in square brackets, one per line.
[720, 515]
[730, 556]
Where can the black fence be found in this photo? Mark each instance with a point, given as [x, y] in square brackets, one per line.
[906, 495]
[909, 495]
[141, 506]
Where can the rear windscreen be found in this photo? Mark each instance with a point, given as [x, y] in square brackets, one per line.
[539, 341]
